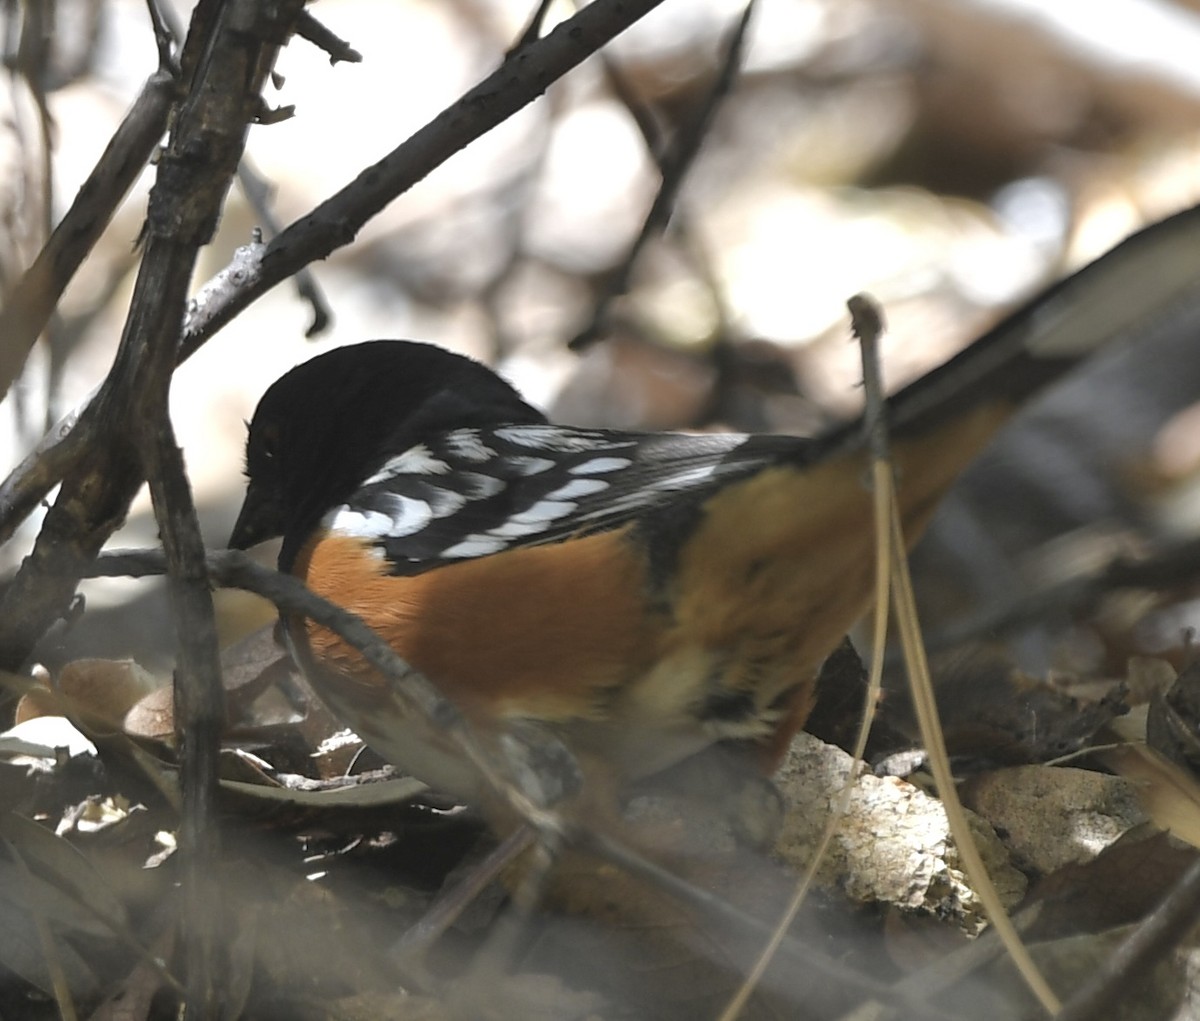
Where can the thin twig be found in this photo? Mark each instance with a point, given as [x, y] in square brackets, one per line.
[335, 222]
[674, 171]
[167, 34]
[416, 695]
[532, 31]
[448, 907]
[33, 299]
[29, 308]
[498, 955]
[331, 225]
[307, 27]
[198, 693]
[45, 466]
[690, 238]
[258, 194]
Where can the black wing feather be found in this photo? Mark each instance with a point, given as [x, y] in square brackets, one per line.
[474, 492]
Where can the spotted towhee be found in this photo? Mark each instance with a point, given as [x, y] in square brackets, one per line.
[643, 594]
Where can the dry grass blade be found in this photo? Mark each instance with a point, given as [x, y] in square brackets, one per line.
[925, 707]
[868, 327]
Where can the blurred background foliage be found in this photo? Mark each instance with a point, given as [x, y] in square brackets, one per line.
[949, 156]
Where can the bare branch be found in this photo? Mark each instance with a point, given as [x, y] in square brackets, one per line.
[258, 194]
[35, 296]
[44, 468]
[517, 769]
[335, 222]
[229, 51]
[307, 27]
[233, 50]
[674, 171]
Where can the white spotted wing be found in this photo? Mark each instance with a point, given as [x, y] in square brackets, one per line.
[473, 492]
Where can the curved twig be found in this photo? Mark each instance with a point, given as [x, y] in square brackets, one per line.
[33, 300]
[517, 781]
[335, 222]
[674, 170]
[515, 84]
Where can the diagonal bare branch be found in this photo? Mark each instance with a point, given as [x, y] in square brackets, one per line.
[36, 294]
[334, 223]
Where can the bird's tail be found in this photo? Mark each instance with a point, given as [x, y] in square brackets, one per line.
[1148, 283]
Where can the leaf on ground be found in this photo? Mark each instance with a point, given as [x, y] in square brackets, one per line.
[994, 712]
[1173, 722]
[101, 691]
[1169, 793]
[1122, 884]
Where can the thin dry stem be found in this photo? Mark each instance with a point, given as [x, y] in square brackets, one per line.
[926, 710]
[868, 327]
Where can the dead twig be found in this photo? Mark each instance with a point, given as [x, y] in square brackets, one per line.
[33, 299]
[228, 54]
[258, 194]
[231, 51]
[675, 169]
[533, 29]
[308, 28]
[333, 223]
[683, 228]
[235, 569]
[503, 767]
[254, 186]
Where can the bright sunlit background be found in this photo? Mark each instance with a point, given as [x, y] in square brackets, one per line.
[949, 156]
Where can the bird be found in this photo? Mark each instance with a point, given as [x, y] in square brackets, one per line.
[643, 595]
